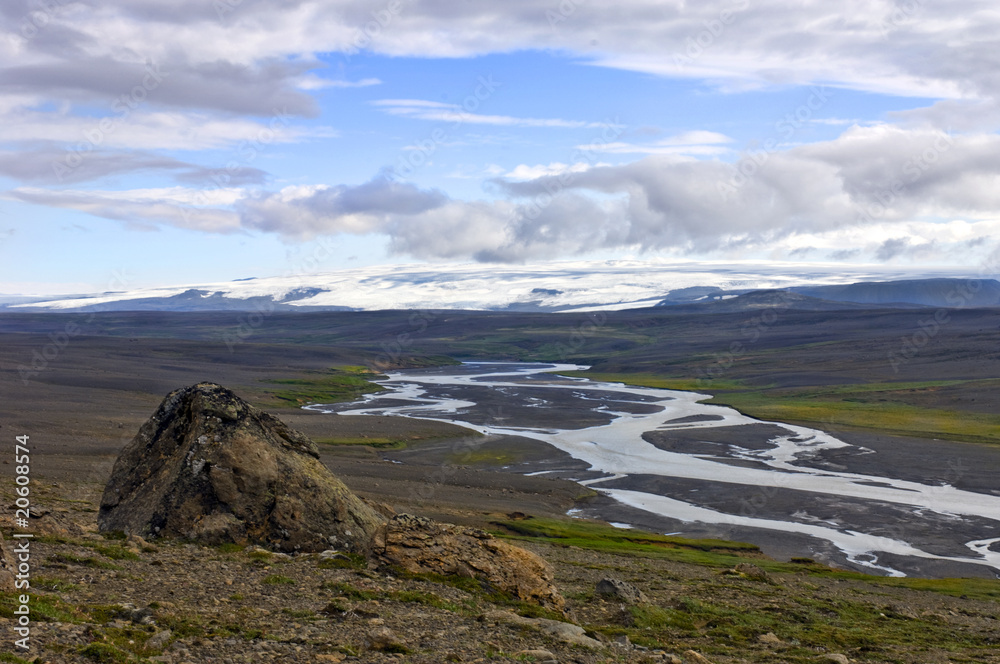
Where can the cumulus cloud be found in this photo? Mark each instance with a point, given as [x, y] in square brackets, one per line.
[883, 191]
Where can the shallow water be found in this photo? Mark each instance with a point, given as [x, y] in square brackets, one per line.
[603, 424]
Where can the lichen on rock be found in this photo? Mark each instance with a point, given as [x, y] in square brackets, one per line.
[210, 467]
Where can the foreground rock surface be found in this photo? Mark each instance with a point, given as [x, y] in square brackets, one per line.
[422, 546]
[210, 467]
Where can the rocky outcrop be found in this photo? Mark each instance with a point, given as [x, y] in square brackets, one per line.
[422, 546]
[210, 467]
[622, 591]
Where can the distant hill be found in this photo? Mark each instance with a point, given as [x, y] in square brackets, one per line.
[768, 300]
[926, 292]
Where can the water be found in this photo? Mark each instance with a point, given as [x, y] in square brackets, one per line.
[603, 424]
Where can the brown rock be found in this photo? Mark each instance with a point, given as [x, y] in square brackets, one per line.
[8, 567]
[210, 467]
[693, 657]
[770, 638]
[749, 571]
[422, 546]
[621, 591]
[385, 640]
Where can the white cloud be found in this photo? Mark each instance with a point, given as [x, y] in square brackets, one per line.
[440, 112]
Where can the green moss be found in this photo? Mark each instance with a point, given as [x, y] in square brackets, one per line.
[278, 580]
[427, 599]
[13, 659]
[86, 561]
[105, 653]
[353, 561]
[44, 608]
[117, 552]
[602, 537]
[350, 592]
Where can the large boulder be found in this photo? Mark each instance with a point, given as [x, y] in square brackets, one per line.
[421, 546]
[210, 467]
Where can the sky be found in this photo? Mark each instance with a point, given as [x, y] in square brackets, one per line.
[149, 143]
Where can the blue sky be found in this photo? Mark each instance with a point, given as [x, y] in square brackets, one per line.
[158, 143]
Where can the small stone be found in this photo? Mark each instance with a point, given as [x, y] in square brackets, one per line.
[159, 639]
[770, 637]
[331, 657]
[837, 658]
[620, 590]
[539, 655]
[752, 572]
[692, 657]
[384, 639]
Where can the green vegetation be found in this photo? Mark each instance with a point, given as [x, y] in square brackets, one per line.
[345, 383]
[353, 561]
[894, 408]
[278, 580]
[877, 406]
[427, 599]
[350, 592]
[485, 457]
[601, 537]
[44, 608]
[86, 561]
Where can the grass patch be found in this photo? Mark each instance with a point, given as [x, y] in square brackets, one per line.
[354, 561]
[345, 383]
[105, 653]
[602, 537]
[881, 407]
[427, 599]
[86, 561]
[44, 608]
[662, 382]
[116, 552]
[487, 457]
[278, 580]
[350, 592]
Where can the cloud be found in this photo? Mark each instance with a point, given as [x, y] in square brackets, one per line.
[888, 192]
[420, 109]
[144, 209]
[701, 143]
[45, 165]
